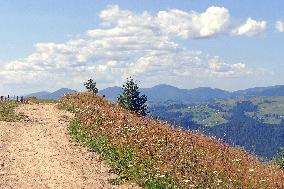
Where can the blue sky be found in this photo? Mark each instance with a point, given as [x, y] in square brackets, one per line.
[226, 51]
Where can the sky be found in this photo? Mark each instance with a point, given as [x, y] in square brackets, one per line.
[227, 44]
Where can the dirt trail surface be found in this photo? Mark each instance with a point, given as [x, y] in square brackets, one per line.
[37, 153]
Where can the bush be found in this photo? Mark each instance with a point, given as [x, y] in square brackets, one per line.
[91, 86]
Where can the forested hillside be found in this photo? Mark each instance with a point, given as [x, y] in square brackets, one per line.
[255, 123]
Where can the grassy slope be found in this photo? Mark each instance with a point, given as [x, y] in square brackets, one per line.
[270, 110]
[155, 155]
[206, 116]
[7, 111]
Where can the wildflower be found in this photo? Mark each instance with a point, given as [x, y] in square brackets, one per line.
[219, 181]
[236, 160]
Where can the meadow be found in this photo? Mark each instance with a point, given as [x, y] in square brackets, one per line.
[155, 155]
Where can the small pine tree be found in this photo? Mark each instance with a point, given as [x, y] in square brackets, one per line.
[131, 100]
[91, 86]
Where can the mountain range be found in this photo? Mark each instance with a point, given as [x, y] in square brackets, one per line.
[51, 95]
[163, 92]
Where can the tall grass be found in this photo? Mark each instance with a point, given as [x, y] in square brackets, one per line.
[7, 111]
[155, 155]
[122, 159]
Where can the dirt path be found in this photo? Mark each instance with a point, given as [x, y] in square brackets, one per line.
[38, 154]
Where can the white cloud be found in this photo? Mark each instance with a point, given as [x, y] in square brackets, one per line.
[176, 22]
[250, 28]
[219, 68]
[279, 25]
[139, 45]
[213, 21]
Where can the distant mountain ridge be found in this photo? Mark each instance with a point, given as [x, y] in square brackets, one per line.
[51, 95]
[277, 90]
[38, 94]
[164, 92]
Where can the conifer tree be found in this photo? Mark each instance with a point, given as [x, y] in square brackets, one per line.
[91, 86]
[130, 98]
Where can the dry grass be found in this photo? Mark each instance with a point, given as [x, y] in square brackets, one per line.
[190, 160]
[40, 101]
[7, 111]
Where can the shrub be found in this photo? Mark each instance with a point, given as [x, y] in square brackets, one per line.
[91, 86]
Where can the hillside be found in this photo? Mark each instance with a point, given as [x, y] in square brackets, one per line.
[153, 153]
[255, 123]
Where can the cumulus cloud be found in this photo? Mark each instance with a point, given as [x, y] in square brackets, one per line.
[130, 44]
[213, 21]
[250, 28]
[219, 68]
[173, 22]
[279, 25]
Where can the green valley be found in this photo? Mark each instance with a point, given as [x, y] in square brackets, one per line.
[255, 123]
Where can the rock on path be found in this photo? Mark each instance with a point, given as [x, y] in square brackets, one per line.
[37, 153]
